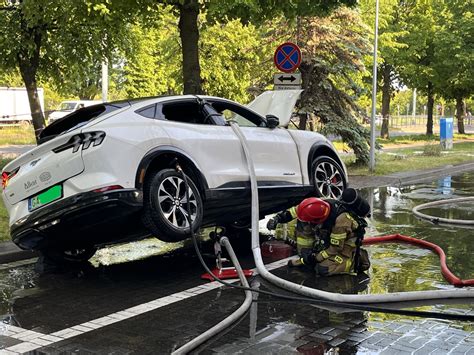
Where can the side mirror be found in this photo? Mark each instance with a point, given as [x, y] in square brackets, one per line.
[272, 121]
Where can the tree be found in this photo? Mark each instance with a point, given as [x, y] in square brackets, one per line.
[150, 64]
[455, 55]
[389, 46]
[332, 49]
[417, 63]
[235, 57]
[253, 11]
[41, 37]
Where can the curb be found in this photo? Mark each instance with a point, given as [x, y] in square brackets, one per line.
[406, 178]
[9, 252]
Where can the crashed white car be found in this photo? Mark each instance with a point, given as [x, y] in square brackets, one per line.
[107, 173]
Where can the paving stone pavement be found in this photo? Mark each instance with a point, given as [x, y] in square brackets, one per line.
[272, 326]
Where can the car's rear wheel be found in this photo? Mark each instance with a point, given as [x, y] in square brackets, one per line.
[165, 206]
[74, 255]
[329, 178]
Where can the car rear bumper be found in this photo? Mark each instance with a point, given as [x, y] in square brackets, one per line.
[86, 218]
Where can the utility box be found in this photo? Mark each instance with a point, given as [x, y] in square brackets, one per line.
[446, 132]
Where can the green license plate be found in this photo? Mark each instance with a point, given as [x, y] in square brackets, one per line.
[48, 196]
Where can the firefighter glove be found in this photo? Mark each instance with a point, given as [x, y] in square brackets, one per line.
[273, 223]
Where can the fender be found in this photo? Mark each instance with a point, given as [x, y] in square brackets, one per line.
[326, 149]
[172, 151]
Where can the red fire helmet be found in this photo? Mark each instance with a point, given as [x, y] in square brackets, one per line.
[313, 210]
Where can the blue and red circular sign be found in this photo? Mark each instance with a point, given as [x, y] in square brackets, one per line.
[287, 57]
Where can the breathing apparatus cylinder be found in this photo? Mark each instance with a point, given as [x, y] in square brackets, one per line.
[357, 204]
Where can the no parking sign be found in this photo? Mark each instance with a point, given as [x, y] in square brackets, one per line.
[287, 57]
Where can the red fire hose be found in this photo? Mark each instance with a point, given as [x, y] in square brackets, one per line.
[448, 275]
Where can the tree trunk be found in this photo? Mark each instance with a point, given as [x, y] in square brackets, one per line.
[386, 96]
[189, 34]
[459, 114]
[306, 70]
[303, 120]
[28, 62]
[430, 105]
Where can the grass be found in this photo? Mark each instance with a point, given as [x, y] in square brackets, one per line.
[22, 134]
[424, 157]
[417, 138]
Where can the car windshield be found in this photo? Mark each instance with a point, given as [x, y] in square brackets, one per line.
[67, 106]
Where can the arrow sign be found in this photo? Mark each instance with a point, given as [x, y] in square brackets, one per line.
[287, 79]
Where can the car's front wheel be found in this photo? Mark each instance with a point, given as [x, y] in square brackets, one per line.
[166, 211]
[329, 178]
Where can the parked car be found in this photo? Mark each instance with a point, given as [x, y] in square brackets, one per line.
[107, 173]
[66, 107]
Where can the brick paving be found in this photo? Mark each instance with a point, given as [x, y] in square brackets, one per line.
[47, 306]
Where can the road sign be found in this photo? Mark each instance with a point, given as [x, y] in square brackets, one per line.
[286, 87]
[287, 57]
[287, 79]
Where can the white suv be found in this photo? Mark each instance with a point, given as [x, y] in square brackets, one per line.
[107, 173]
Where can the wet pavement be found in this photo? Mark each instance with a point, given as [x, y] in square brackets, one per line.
[156, 304]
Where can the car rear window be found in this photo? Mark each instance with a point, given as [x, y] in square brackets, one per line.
[78, 119]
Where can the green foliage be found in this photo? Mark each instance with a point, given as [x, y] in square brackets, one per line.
[257, 11]
[454, 56]
[10, 78]
[234, 59]
[152, 65]
[229, 53]
[332, 48]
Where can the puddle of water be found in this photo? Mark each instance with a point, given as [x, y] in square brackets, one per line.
[12, 283]
[418, 269]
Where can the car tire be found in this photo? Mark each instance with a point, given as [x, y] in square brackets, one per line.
[329, 179]
[165, 207]
[73, 255]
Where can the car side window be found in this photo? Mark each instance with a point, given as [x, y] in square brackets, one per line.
[148, 112]
[239, 114]
[183, 111]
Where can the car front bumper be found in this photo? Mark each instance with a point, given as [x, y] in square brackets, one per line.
[89, 218]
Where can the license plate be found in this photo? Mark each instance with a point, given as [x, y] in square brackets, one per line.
[48, 196]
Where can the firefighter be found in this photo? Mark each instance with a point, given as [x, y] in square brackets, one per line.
[329, 233]
[304, 236]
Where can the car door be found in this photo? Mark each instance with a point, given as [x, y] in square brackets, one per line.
[213, 147]
[274, 152]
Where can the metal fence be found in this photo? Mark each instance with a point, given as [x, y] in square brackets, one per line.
[420, 120]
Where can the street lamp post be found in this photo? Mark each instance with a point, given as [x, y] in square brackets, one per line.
[374, 91]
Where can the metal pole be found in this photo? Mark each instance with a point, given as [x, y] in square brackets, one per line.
[374, 91]
[414, 105]
[105, 80]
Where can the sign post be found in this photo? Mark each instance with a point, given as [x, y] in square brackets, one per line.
[287, 58]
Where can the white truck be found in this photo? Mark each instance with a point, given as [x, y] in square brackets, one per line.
[14, 104]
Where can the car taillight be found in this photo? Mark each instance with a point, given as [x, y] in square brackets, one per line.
[82, 139]
[108, 188]
[6, 177]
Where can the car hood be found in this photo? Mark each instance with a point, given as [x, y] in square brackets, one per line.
[279, 103]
